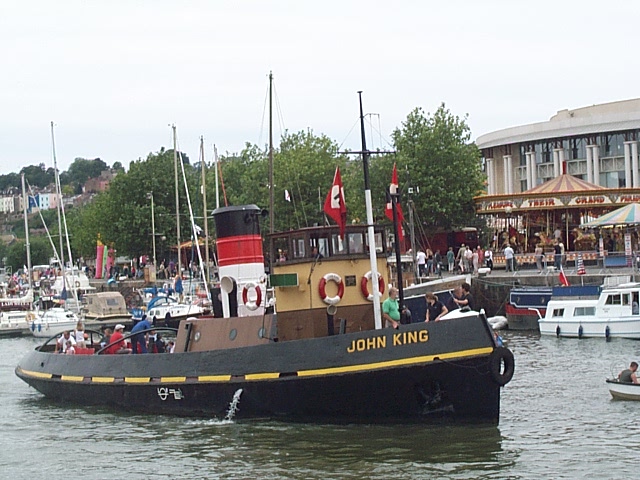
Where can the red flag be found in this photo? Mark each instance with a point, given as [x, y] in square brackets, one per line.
[334, 205]
[563, 278]
[393, 188]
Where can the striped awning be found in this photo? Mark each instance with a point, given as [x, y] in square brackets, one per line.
[564, 183]
[627, 215]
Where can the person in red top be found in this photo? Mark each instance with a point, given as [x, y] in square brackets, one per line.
[118, 346]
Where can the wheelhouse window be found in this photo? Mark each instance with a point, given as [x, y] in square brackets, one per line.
[614, 299]
[558, 312]
[356, 243]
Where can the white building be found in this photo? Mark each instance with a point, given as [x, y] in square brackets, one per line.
[598, 144]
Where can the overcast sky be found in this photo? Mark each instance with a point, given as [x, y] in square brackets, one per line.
[113, 75]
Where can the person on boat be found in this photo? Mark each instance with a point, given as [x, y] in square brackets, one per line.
[118, 343]
[466, 300]
[79, 335]
[421, 258]
[177, 285]
[391, 309]
[71, 350]
[106, 337]
[156, 344]
[171, 346]
[435, 308]
[61, 344]
[628, 375]
[138, 339]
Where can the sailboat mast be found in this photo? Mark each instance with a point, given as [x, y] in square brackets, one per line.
[215, 163]
[271, 186]
[59, 195]
[25, 206]
[175, 167]
[204, 211]
[371, 234]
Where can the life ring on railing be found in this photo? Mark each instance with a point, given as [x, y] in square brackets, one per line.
[329, 277]
[250, 304]
[77, 284]
[499, 357]
[365, 281]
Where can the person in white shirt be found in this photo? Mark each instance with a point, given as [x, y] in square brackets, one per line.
[488, 258]
[421, 259]
[78, 335]
[508, 256]
[61, 344]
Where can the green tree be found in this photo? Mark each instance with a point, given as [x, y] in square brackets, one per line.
[16, 253]
[82, 170]
[38, 175]
[444, 163]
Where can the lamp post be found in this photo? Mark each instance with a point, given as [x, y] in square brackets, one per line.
[153, 231]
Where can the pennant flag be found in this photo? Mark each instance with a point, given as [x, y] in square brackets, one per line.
[580, 265]
[334, 205]
[564, 281]
[287, 197]
[393, 189]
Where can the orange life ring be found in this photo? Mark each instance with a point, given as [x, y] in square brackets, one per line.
[331, 277]
[251, 304]
[365, 281]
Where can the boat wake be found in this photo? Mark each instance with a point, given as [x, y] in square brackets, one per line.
[233, 406]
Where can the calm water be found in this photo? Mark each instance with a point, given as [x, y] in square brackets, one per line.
[557, 421]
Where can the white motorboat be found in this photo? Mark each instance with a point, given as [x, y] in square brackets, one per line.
[172, 311]
[614, 313]
[622, 390]
[53, 321]
[15, 323]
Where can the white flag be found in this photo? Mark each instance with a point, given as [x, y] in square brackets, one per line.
[287, 197]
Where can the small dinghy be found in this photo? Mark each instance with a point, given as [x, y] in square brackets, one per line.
[498, 322]
[623, 390]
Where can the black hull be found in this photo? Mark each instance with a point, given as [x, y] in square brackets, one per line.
[430, 372]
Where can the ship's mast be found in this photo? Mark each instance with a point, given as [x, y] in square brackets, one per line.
[271, 186]
[371, 234]
[175, 167]
[25, 205]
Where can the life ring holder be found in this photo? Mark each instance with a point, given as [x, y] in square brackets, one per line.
[499, 357]
[251, 304]
[365, 280]
[331, 277]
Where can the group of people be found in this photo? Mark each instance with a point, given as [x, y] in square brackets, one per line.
[71, 339]
[395, 315]
[143, 340]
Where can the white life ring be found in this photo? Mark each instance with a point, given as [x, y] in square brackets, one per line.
[251, 304]
[331, 277]
[365, 281]
[77, 284]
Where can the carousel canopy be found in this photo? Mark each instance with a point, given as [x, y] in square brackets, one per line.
[627, 215]
[563, 184]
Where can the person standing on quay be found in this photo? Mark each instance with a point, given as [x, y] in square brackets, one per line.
[508, 256]
[451, 259]
[539, 255]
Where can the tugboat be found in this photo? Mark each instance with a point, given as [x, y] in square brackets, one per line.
[304, 343]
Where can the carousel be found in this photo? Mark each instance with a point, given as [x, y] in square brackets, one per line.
[564, 209]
